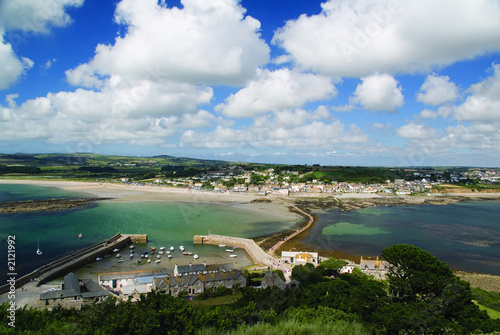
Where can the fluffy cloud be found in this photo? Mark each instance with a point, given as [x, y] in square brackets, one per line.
[25, 16]
[123, 111]
[483, 102]
[417, 131]
[277, 91]
[298, 130]
[11, 66]
[378, 92]
[356, 38]
[437, 90]
[209, 42]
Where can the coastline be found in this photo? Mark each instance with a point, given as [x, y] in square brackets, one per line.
[278, 207]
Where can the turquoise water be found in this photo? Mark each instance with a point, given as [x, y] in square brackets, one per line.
[165, 223]
[465, 235]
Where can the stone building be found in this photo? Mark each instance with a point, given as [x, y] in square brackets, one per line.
[74, 293]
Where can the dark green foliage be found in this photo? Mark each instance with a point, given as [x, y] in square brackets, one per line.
[4, 169]
[307, 274]
[331, 266]
[415, 274]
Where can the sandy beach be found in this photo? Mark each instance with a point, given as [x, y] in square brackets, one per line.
[134, 193]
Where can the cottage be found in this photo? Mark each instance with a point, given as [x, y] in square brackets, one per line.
[197, 283]
[130, 284]
[74, 293]
[272, 279]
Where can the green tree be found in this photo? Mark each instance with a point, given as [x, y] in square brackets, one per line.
[331, 266]
[415, 274]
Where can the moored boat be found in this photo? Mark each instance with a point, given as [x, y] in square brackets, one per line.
[196, 256]
[160, 252]
[118, 255]
[116, 250]
[153, 248]
[229, 250]
[172, 248]
[162, 248]
[158, 261]
[158, 256]
[98, 259]
[222, 245]
[181, 248]
[233, 256]
[80, 235]
[169, 256]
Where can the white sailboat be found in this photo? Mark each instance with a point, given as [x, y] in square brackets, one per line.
[38, 251]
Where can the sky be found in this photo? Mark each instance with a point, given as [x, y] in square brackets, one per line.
[332, 82]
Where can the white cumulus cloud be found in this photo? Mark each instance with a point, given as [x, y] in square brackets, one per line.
[437, 90]
[483, 102]
[355, 38]
[379, 92]
[416, 131]
[27, 16]
[278, 90]
[209, 42]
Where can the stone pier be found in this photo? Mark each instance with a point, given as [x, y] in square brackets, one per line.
[255, 252]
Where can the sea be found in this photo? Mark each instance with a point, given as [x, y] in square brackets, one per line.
[166, 223]
[465, 235]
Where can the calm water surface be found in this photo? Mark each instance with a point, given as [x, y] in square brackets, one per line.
[166, 224]
[465, 235]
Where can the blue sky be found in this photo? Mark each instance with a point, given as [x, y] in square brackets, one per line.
[359, 82]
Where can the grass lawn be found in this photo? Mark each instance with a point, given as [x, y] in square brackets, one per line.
[494, 314]
[225, 300]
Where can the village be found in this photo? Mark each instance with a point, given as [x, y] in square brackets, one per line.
[188, 281]
[286, 182]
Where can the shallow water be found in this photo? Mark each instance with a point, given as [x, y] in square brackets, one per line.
[166, 224]
[465, 235]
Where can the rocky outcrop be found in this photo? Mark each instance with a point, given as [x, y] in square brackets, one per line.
[48, 205]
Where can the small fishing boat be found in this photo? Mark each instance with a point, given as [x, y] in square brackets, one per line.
[118, 255]
[169, 256]
[116, 250]
[160, 252]
[222, 245]
[149, 261]
[153, 248]
[146, 256]
[162, 248]
[120, 261]
[158, 256]
[172, 248]
[158, 261]
[196, 256]
[181, 248]
[38, 251]
[80, 235]
[132, 247]
[131, 255]
[229, 250]
[233, 256]
[98, 259]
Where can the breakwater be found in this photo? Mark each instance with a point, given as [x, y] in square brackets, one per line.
[295, 233]
[76, 260]
[255, 252]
